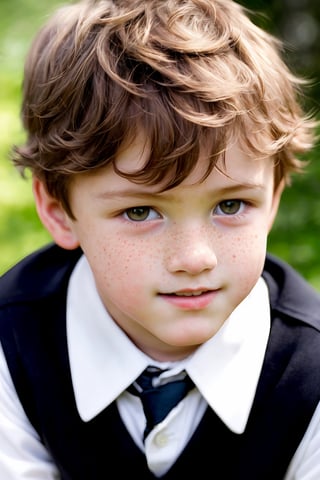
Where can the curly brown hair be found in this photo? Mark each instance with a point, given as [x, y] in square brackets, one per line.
[193, 75]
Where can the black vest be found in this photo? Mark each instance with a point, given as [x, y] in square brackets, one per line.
[33, 335]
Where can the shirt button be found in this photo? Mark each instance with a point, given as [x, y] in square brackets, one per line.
[161, 439]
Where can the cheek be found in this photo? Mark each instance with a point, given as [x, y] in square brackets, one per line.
[122, 267]
[251, 245]
[245, 256]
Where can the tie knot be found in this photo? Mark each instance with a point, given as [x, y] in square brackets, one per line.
[147, 378]
[159, 400]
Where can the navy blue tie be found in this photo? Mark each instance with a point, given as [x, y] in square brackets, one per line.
[158, 401]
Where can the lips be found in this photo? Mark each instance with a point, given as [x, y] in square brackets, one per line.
[190, 294]
[190, 299]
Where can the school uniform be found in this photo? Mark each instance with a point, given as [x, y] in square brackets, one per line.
[250, 432]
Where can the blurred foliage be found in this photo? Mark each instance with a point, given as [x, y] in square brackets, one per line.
[297, 24]
[295, 236]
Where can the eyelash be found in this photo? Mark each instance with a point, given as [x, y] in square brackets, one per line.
[147, 211]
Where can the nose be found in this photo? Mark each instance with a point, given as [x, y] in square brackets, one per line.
[191, 252]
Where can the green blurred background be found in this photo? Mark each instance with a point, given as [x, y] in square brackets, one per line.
[296, 233]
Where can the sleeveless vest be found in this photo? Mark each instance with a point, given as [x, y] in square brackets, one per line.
[33, 335]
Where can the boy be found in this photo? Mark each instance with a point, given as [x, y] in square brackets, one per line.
[160, 136]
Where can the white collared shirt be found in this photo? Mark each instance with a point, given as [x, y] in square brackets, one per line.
[235, 353]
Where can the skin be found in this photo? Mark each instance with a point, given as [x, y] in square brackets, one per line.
[170, 267]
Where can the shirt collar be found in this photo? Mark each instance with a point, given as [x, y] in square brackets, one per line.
[104, 362]
[233, 359]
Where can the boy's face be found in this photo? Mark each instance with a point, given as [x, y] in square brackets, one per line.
[170, 267]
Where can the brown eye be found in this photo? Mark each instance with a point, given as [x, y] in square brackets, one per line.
[138, 214]
[229, 207]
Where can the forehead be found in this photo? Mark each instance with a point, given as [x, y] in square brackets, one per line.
[241, 167]
[236, 170]
[234, 164]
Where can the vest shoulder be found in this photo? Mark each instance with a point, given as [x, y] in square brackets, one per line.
[290, 294]
[38, 274]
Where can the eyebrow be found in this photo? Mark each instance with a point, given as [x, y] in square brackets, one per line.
[133, 193]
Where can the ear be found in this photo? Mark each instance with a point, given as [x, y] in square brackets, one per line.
[54, 217]
[275, 203]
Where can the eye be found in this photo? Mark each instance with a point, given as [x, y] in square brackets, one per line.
[141, 214]
[229, 207]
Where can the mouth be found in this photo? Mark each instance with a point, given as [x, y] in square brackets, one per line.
[190, 299]
[195, 293]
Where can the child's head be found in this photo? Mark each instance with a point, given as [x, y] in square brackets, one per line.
[129, 105]
[194, 76]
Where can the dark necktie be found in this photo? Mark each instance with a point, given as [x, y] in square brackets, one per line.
[158, 401]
